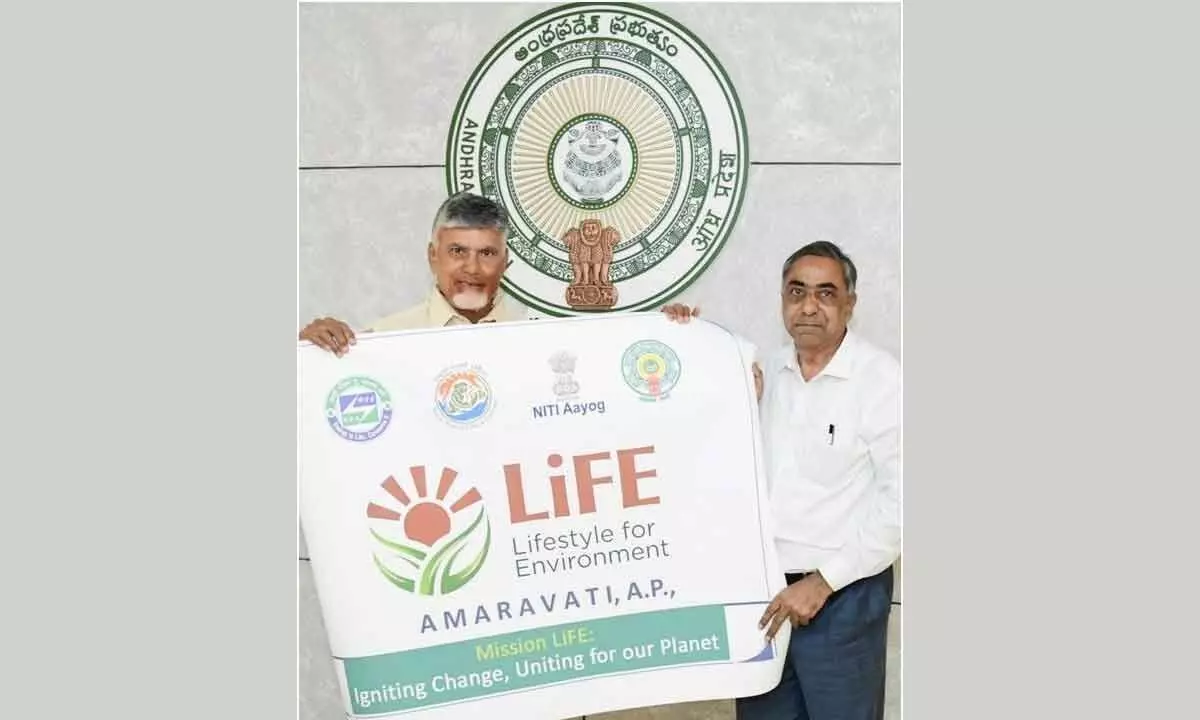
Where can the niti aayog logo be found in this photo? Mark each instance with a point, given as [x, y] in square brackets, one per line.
[566, 388]
[429, 545]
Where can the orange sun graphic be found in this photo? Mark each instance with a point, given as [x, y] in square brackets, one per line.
[425, 521]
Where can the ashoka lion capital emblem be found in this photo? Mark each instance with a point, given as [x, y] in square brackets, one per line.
[590, 247]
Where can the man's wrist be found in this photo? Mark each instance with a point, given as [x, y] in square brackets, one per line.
[824, 584]
[837, 573]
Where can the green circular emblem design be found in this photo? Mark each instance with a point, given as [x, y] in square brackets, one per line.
[651, 369]
[618, 145]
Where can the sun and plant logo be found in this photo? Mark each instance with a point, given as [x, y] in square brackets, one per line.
[463, 396]
[651, 369]
[358, 408]
[429, 545]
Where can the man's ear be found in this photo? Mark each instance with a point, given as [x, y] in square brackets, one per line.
[432, 253]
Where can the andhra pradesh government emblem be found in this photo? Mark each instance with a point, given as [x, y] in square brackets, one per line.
[651, 369]
[616, 142]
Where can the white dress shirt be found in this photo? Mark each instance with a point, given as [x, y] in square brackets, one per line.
[832, 446]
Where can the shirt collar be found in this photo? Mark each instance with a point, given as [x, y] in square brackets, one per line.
[441, 313]
[841, 365]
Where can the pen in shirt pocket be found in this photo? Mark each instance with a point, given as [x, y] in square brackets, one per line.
[832, 430]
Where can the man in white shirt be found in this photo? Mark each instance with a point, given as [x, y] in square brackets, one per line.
[831, 434]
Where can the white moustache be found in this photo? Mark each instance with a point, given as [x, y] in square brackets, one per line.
[470, 300]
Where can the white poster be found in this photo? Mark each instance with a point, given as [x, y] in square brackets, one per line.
[540, 519]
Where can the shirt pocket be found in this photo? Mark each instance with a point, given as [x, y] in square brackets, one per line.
[834, 449]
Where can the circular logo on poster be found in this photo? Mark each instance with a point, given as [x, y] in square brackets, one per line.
[463, 396]
[651, 369]
[358, 408]
[616, 142]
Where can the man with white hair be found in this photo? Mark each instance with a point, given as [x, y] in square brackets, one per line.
[467, 255]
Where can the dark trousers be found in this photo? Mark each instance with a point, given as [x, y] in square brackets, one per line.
[836, 666]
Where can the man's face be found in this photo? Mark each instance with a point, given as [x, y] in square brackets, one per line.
[816, 303]
[468, 263]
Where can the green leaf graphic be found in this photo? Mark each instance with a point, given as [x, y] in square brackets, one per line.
[401, 582]
[450, 550]
[453, 581]
[402, 549]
